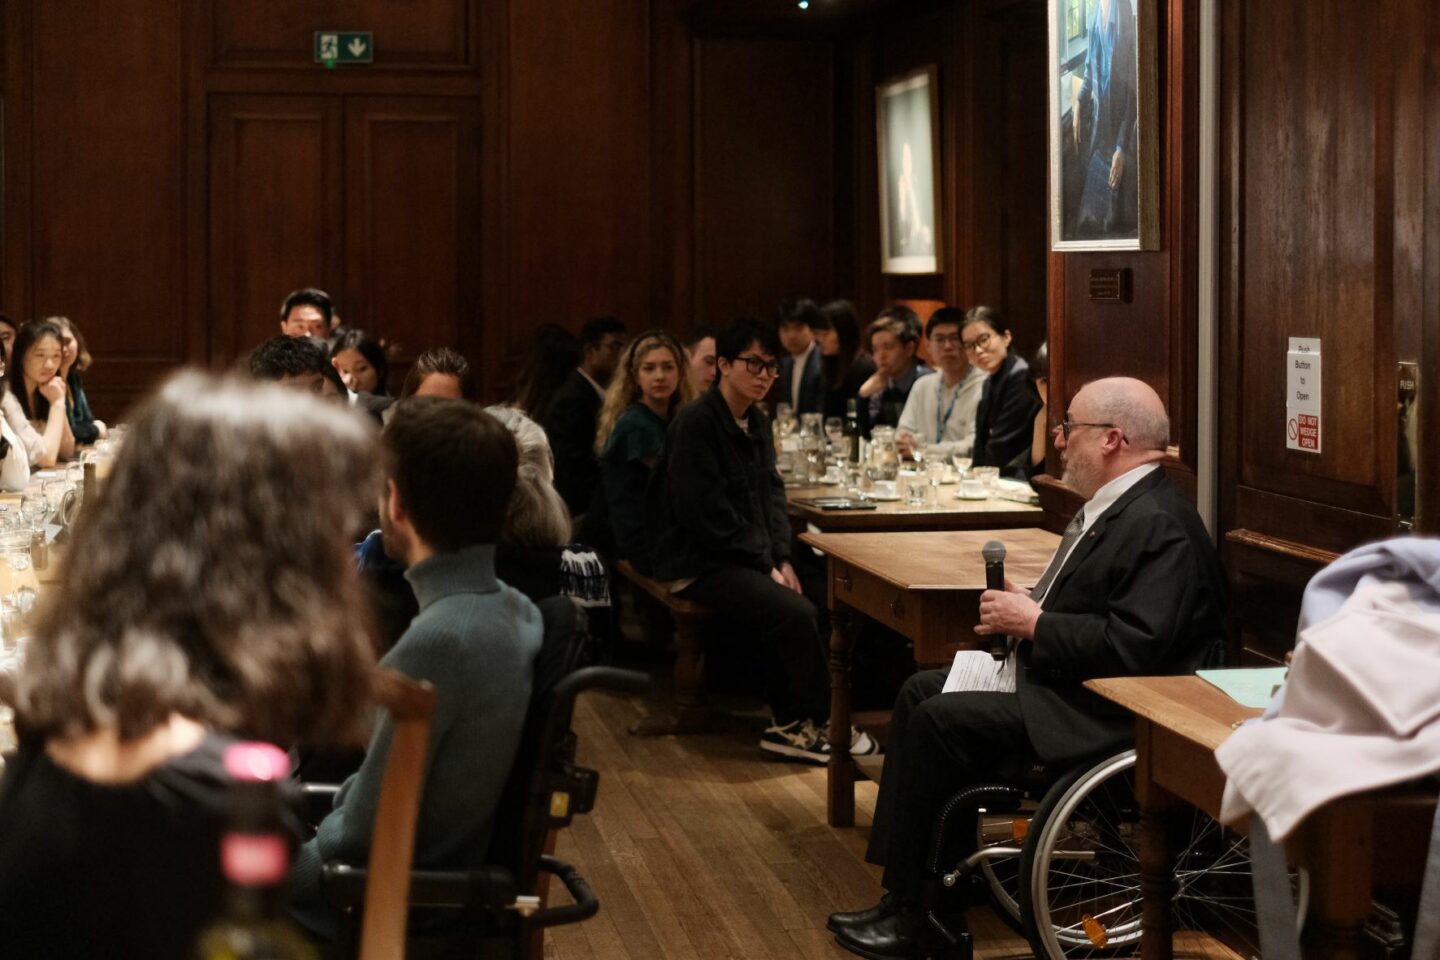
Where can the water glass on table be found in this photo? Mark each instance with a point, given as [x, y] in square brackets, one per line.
[917, 490]
[987, 476]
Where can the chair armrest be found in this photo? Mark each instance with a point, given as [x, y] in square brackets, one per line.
[586, 904]
[316, 802]
[484, 888]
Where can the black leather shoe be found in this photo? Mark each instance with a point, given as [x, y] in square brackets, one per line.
[888, 905]
[895, 936]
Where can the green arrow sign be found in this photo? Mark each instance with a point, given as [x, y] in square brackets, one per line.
[336, 46]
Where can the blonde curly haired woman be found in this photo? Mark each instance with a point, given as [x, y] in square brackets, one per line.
[652, 383]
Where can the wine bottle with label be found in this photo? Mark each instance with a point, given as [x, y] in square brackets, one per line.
[255, 857]
[852, 428]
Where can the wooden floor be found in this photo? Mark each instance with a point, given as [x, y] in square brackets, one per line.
[700, 848]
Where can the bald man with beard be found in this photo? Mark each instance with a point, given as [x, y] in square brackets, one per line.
[1135, 588]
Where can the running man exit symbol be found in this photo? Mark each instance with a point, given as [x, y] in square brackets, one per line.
[341, 47]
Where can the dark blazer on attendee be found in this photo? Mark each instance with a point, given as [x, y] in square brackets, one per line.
[570, 424]
[1142, 593]
[812, 383]
[1005, 419]
[837, 398]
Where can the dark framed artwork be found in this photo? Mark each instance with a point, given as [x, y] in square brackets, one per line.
[907, 112]
[1104, 135]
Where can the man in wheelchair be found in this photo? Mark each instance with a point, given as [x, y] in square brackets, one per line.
[1135, 587]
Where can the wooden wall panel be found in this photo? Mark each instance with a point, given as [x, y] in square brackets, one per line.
[991, 59]
[417, 34]
[1324, 234]
[764, 180]
[412, 247]
[577, 165]
[103, 188]
[276, 211]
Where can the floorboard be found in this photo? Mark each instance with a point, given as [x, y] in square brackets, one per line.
[699, 847]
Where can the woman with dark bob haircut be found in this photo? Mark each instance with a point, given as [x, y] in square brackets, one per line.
[209, 594]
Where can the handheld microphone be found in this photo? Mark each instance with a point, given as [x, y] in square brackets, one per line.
[994, 554]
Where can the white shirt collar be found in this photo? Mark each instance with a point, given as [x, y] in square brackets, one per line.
[598, 389]
[797, 374]
[1106, 496]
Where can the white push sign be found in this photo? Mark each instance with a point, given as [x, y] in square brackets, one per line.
[1302, 395]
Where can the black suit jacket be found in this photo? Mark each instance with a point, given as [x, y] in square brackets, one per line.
[1141, 594]
[570, 425]
[812, 383]
[1005, 419]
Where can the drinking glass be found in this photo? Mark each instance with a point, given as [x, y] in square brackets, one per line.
[784, 419]
[841, 449]
[34, 510]
[935, 472]
[987, 476]
[962, 465]
[917, 491]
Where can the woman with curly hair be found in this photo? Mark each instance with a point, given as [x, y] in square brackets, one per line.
[652, 383]
[208, 595]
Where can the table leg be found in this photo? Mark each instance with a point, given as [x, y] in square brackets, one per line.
[1157, 855]
[1338, 839]
[840, 796]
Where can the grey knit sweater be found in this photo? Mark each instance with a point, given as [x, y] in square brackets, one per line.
[475, 639]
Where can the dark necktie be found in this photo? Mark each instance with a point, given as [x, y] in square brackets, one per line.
[1067, 540]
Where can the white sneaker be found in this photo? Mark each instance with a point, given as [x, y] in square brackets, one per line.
[799, 740]
[862, 744]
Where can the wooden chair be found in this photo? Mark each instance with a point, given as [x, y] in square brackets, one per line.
[392, 848]
[688, 712]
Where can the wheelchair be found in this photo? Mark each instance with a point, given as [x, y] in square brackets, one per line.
[1059, 860]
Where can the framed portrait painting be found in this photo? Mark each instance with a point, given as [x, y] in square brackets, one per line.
[907, 112]
[1104, 135]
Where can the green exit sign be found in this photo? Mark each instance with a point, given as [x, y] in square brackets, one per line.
[336, 46]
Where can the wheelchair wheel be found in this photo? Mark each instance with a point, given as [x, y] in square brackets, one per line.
[1003, 873]
[1081, 896]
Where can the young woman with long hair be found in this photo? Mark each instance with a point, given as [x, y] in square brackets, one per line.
[652, 382]
[38, 393]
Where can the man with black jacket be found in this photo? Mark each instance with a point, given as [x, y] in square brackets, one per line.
[570, 419]
[723, 537]
[1135, 588]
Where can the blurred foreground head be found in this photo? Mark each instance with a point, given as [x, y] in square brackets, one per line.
[212, 576]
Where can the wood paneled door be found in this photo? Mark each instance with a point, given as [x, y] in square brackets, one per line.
[375, 199]
[1324, 235]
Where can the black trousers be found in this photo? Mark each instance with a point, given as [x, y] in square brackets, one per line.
[796, 682]
[939, 743]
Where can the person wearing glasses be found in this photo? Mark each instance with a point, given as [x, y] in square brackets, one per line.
[941, 406]
[1005, 420]
[722, 537]
[1135, 588]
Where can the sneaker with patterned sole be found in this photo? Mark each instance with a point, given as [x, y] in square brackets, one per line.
[798, 740]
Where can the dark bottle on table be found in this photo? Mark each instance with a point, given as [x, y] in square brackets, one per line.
[255, 857]
[852, 428]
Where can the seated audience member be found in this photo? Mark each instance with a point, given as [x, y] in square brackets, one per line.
[700, 352]
[440, 372]
[166, 639]
[1135, 587]
[7, 339]
[941, 406]
[845, 363]
[449, 472]
[35, 395]
[1040, 376]
[802, 382]
[554, 355]
[1005, 421]
[299, 363]
[644, 394]
[894, 338]
[74, 359]
[570, 422]
[723, 537]
[535, 555]
[361, 360]
[307, 313]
